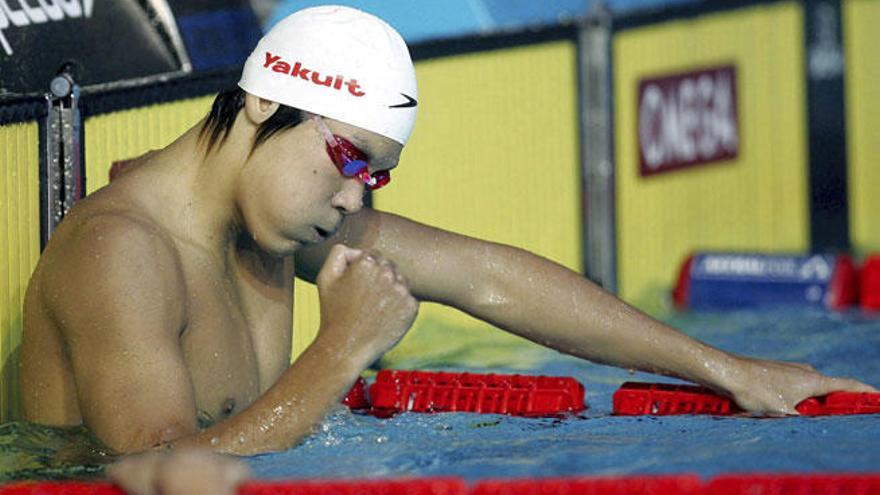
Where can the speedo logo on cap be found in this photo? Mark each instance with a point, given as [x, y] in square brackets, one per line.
[276, 64]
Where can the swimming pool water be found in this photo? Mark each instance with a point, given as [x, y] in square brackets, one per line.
[594, 443]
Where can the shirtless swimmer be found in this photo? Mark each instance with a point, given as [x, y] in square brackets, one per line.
[160, 312]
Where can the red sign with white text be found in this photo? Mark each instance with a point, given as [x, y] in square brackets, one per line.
[687, 119]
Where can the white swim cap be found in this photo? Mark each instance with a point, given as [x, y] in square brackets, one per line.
[340, 63]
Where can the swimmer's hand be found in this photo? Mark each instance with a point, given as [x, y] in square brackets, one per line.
[366, 306]
[775, 388]
[182, 472]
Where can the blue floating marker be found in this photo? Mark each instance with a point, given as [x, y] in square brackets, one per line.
[713, 281]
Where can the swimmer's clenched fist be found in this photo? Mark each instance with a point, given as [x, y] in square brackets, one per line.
[366, 306]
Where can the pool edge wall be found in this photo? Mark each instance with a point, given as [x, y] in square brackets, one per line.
[19, 246]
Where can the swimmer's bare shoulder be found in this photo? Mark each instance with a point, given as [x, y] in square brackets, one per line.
[111, 289]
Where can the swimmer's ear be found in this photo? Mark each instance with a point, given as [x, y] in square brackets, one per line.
[257, 109]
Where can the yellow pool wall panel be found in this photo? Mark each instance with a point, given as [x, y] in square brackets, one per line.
[130, 133]
[757, 201]
[494, 155]
[861, 19]
[19, 247]
[306, 316]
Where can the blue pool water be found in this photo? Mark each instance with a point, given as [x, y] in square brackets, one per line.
[595, 443]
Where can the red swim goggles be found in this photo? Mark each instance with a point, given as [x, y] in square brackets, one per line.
[349, 160]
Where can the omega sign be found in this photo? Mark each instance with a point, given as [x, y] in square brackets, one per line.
[687, 119]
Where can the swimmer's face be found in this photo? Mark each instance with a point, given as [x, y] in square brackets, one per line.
[293, 194]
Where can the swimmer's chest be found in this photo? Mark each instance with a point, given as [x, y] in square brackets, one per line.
[237, 340]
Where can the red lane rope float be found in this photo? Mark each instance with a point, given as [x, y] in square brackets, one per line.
[688, 484]
[794, 484]
[61, 488]
[870, 283]
[661, 399]
[432, 392]
[357, 396]
[631, 485]
[422, 486]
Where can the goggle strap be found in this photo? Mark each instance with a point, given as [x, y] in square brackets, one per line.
[325, 131]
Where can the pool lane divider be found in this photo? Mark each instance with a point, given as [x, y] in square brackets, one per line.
[663, 399]
[397, 391]
[869, 281]
[723, 281]
[686, 484]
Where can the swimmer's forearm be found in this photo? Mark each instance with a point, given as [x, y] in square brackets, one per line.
[535, 298]
[291, 408]
[554, 306]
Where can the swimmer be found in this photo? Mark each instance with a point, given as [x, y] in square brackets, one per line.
[160, 312]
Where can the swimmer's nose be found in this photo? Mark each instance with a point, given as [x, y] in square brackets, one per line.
[350, 199]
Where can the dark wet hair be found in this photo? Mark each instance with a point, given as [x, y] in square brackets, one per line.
[225, 109]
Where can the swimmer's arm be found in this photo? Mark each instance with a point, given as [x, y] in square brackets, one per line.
[122, 305]
[525, 294]
[549, 304]
[290, 409]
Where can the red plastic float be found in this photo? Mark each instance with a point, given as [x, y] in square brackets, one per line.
[433, 392]
[794, 484]
[59, 488]
[870, 283]
[661, 399]
[631, 485]
[423, 486]
[357, 396]
[739, 484]
[841, 403]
